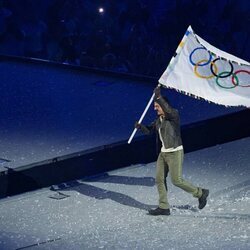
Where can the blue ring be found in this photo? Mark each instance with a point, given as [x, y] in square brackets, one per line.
[203, 64]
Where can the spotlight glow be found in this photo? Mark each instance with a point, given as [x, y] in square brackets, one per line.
[100, 10]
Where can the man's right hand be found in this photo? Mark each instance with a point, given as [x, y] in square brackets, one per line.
[157, 92]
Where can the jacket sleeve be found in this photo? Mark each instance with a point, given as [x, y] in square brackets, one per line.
[148, 129]
[167, 109]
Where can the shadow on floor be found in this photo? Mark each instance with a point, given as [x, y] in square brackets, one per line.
[100, 193]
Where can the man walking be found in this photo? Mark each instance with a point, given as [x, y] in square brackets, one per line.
[170, 158]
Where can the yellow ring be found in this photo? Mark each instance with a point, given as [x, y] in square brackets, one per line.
[205, 77]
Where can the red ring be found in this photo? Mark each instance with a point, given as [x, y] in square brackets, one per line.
[238, 71]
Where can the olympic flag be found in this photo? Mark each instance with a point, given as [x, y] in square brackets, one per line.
[201, 70]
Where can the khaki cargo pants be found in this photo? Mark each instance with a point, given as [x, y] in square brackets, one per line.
[172, 162]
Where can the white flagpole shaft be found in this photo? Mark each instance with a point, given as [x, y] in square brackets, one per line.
[152, 98]
[142, 116]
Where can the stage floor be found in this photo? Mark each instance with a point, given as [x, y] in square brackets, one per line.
[49, 111]
[110, 211]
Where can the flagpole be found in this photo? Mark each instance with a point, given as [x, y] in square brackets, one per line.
[142, 116]
[152, 97]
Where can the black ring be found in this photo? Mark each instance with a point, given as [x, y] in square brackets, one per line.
[224, 76]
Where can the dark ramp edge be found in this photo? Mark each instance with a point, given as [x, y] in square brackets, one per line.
[99, 160]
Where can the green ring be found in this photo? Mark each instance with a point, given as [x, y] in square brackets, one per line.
[224, 73]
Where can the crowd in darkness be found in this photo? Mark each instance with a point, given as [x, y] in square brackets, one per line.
[135, 36]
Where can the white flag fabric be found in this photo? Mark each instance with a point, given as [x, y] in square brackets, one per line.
[201, 70]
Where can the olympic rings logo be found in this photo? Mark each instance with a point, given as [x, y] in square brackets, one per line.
[214, 70]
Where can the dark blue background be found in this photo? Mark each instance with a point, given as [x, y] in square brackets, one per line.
[49, 109]
[131, 36]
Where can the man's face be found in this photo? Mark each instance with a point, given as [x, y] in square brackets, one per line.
[158, 109]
